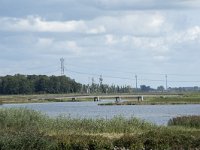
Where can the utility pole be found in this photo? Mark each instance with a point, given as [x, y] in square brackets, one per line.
[62, 60]
[100, 80]
[166, 86]
[136, 82]
[101, 83]
[88, 87]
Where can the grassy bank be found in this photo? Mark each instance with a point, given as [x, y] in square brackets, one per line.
[153, 99]
[160, 101]
[42, 98]
[28, 129]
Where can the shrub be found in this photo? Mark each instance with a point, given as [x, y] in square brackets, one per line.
[80, 142]
[28, 139]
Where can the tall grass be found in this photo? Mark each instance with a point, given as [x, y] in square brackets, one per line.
[115, 125]
[26, 129]
[186, 121]
[22, 118]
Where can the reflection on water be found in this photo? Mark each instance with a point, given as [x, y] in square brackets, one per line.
[158, 114]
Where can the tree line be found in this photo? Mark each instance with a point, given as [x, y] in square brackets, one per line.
[32, 84]
[41, 84]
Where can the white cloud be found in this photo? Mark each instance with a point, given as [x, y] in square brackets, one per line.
[136, 23]
[45, 42]
[193, 33]
[46, 46]
[110, 39]
[37, 24]
[141, 4]
[97, 30]
[131, 23]
[157, 21]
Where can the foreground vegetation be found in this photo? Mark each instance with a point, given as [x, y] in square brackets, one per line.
[186, 121]
[27, 129]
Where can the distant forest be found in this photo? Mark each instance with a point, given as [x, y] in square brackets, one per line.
[32, 84]
[41, 84]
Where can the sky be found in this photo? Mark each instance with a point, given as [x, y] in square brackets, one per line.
[117, 39]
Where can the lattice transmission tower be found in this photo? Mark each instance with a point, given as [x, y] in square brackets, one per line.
[62, 60]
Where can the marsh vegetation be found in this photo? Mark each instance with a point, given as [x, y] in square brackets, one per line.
[28, 129]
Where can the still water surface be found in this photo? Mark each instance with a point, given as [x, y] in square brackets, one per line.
[158, 114]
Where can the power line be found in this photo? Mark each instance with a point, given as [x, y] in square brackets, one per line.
[166, 81]
[93, 74]
[136, 82]
[138, 73]
[136, 78]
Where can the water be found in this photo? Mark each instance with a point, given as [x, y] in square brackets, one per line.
[158, 114]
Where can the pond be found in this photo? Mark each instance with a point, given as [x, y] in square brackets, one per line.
[158, 114]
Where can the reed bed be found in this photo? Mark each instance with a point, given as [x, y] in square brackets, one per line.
[22, 118]
[186, 121]
[25, 129]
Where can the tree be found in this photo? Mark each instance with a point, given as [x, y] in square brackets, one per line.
[160, 88]
[30, 84]
[145, 88]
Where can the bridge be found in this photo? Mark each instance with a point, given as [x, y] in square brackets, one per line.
[100, 97]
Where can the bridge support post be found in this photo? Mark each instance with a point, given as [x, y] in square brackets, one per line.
[140, 98]
[96, 99]
[73, 99]
[117, 99]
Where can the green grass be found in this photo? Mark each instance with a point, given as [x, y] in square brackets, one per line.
[170, 100]
[180, 99]
[186, 121]
[22, 118]
[42, 98]
[26, 129]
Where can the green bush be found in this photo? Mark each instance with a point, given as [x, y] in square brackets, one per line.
[20, 118]
[81, 142]
[133, 142]
[161, 139]
[28, 139]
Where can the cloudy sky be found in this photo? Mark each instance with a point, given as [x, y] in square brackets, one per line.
[117, 39]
